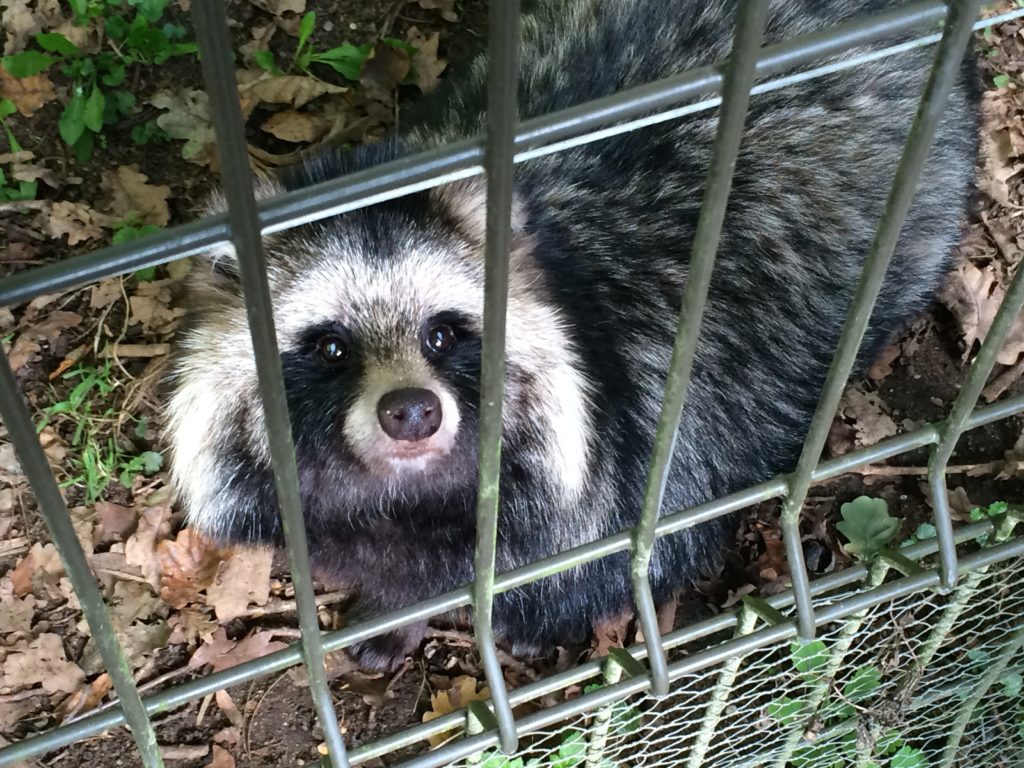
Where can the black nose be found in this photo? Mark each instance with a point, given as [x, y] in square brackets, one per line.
[409, 414]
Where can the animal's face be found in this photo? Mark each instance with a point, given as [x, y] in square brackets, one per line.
[379, 321]
[381, 356]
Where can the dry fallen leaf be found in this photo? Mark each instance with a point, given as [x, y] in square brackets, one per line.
[868, 415]
[40, 662]
[115, 521]
[221, 653]
[188, 118]
[221, 758]
[16, 614]
[140, 549]
[227, 705]
[426, 66]
[87, 698]
[383, 71]
[242, 579]
[22, 19]
[459, 694]
[191, 624]
[133, 199]
[296, 127]
[27, 93]
[188, 564]
[150, 306]
[47, 329]
[610, 633]
[78, 221]
[257, 87]
[974, 295]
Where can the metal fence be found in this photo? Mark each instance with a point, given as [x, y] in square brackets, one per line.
[738, 698]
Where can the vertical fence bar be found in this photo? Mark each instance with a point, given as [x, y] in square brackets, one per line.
[944, 74]
[954, 425]
[33, 462]
[739, 78]
[217, 57]
[502, 115]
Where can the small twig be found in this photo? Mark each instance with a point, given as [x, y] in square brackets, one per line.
[389, 20]
[277, 607]
[135, 350]
[9, 698]
[884, 470]
[23, 205]
[202, 709]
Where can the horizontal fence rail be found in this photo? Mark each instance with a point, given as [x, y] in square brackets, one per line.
[506, 144]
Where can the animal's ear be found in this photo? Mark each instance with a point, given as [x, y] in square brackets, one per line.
[219, 266]
[465, 204]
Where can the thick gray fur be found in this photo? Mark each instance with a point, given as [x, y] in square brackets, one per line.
[603, 234]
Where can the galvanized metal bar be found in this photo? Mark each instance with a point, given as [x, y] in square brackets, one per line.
[218, 65]
[739, 78]
[944, 74]
[93, 724]
[502, 117]
[22, 433]
[950, 431]
[837, 611]
[435, 167]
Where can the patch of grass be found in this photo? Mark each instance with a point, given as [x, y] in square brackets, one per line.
[134, 35]
[90, 410]
[11, 189]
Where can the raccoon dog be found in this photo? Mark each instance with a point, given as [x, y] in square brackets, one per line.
[379, 320]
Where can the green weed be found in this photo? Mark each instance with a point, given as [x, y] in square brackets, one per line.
[346, 59]
[134, 37]
[97, 457]
[10, 189]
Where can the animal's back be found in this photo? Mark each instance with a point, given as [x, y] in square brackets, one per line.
[615, 218]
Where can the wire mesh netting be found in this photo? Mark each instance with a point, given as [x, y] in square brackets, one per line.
[920, 682]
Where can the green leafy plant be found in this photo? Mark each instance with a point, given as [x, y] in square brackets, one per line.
[808, 660]
[9, 189]
[97, 457]
[867, 525]
[346, 59]
[96, 98]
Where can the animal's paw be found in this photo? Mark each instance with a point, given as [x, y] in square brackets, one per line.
[385, 653]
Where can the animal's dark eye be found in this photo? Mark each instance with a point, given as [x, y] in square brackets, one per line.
[439, 339]
[332, 348]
